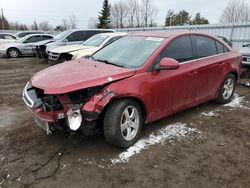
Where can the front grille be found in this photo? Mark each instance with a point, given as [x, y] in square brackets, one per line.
[246, 58]
[53, 56]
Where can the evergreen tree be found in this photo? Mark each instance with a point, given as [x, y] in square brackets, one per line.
[104, 17]
[198, 20]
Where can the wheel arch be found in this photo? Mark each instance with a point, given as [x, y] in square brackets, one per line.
[136, 99]
[235, 75]
[14, 48]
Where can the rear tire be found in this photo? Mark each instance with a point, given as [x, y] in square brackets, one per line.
[13, 53]
[227, 89]
[122, 123]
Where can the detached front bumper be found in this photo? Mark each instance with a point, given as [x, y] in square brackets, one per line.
[74, 117]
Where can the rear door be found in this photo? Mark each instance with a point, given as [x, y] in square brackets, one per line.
[210, 66]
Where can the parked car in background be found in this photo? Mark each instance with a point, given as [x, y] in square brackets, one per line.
[68, 37]
[21, 34]
[22, 46]
[6, 37]
[245, 51]
[226, 40]
[86, 49]
[140, 78]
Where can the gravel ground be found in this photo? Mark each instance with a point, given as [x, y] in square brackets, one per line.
[206, 146]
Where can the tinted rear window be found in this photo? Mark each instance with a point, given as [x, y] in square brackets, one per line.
[205, 46]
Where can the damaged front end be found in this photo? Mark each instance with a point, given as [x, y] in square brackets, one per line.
[77, 110]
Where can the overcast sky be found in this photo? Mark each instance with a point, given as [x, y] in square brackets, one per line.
[26, 11]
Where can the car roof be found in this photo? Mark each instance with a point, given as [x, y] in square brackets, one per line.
[168, 34]
[114, 34]
[111, 30]
[42, 34]
[6, 34]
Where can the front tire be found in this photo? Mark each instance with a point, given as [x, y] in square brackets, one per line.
[13, 53]
[122, 123]
[227, 89]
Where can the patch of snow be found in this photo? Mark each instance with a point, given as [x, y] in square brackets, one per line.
[2, 157]
[175, 131]
[209, 114]
[64, 166]
[236, 102]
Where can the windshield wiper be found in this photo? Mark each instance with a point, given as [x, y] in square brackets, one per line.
[107, 62]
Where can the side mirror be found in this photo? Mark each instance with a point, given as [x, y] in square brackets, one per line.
[167, 64]
[65, 40]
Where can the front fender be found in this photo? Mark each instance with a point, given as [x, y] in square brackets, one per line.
[93, 108]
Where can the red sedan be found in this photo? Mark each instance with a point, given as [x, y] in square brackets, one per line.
[137, 79]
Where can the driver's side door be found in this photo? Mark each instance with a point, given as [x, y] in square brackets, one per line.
[173, 90]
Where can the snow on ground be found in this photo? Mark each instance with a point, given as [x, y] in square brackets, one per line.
[175, 131]
[6, 116]
[237, 102]
[209, 114]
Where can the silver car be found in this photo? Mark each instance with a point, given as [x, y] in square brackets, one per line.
[68, 37]
[22, 46]
[245, 51]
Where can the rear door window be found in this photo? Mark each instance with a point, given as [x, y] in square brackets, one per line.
[179, 49]
[76, 36]
[205, 46]
[89, 34]
[46, 37]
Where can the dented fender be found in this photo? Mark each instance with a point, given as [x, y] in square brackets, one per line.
[93, 108]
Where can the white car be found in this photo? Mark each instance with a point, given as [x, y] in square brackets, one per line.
[6, 37]
[22, 46]
[87, 48]
[245, 51]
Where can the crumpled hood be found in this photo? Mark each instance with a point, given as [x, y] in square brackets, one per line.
[245, 51]
[76, 75]
[84, 52]
[69, 48]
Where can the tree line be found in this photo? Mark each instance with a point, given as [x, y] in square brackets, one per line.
[70, 23]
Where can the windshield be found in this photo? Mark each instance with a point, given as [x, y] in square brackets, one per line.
[129, 51]
[96, 40]
[62, 35]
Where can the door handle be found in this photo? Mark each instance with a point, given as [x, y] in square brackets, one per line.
[191, 73]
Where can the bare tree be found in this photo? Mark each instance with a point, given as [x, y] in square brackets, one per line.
[119, 12]
[149, 11]
[236, 11]
[65, 24]
[133, 8]
[34, 26]
[92, 23]
[72, 22]
[45, 26]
